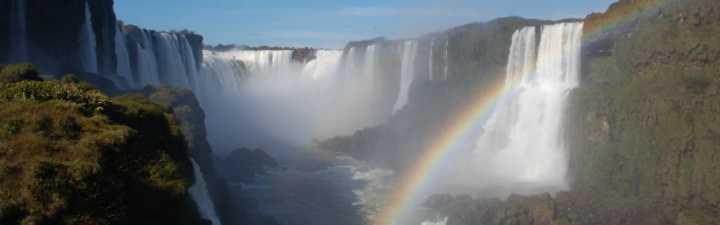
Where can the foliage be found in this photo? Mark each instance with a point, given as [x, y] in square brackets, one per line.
[17, 73]
[71, 155]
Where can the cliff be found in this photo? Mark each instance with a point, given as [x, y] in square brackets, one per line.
[71, 155]
[56, 42]
[476, 58]
[53, 29]
[642, 127]
[645, 122]
[5, 20]
[191, 121]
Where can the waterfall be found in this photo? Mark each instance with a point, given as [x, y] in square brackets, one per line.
[226, 69]
[564, 40]
[407, 74]
[88, 43]
[350, 59]
[221, 74]
[522, 140]
[521, 61]
[122, 56]
[446, 57]
[200, 194]
[18, 28]
[369, 63]
[438, 222]
[170, 62]
[146, 64]
[259, 61]
[324, 65]
[328, 96]
[349, 64]
[188, 57]
[431, 60]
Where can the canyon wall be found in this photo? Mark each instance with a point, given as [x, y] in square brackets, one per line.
[643, 125]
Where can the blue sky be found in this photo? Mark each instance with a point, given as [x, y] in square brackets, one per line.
[332, 23]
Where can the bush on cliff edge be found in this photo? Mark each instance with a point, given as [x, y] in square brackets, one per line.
[71, 155]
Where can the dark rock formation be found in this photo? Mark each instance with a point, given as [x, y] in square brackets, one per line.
[5, 20]
[303, 55]
[191, 119]
[104, 22]
[53, 38]
[53, 34]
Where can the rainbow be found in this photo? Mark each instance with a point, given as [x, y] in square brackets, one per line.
[618, 16]
[405, 198]
[410, 189]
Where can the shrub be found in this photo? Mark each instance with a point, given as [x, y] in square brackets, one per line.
[71, 155]
[17, 73]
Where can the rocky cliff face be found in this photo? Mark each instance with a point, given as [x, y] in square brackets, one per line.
[303, 55]
[66, 36]
[643, 127]
[53, 32]
[645, 122]
[71, 155]
[5, 20]
[56, 42]
[191, 119]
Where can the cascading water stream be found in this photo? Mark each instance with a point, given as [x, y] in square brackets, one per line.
[431, 59]
[188, 58]
[88, 43]
[324, 65]
[446, 57]
[407, 74]
[18, 27]
[522, 140]
[147, 67]
[170, 60]
[369, 63]
[521, 62]
[222, 75]
[369, 69]
[201, 196]
[438, 222]
[123, 57]
[261, 61]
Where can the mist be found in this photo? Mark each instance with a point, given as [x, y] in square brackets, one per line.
[278, 100]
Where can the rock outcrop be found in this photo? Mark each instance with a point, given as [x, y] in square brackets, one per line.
[56, 43]
[191, 120]
[71, 155]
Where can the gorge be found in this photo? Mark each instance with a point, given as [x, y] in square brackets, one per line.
[607, 119]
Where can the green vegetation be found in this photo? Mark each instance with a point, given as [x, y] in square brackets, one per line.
[645, 125]
[17, 73]
[71, 155]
